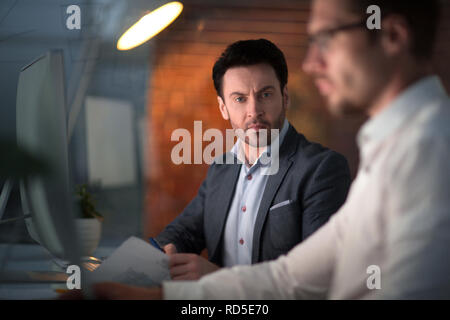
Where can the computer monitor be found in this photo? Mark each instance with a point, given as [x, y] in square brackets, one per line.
[41, 126]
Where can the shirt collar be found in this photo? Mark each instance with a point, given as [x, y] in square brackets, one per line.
[236, 150]
[405, 105]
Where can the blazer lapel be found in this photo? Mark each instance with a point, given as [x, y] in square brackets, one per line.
[227, 188]
[288, 148]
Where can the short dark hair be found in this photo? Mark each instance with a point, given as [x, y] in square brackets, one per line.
[247, 53]
[422, 17]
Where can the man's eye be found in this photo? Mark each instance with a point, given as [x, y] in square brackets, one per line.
[266, 94]
[239, 99]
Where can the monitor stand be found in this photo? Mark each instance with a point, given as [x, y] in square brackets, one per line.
[11, 276]
[4, 197]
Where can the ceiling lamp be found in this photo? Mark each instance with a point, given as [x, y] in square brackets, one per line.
[150, 25]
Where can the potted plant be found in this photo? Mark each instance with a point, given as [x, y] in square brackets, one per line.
[88, 225]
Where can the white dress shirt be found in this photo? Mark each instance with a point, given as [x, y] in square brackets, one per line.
[396, 219]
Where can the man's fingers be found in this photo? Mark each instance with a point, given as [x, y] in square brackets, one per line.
[184, 266]
[170, 249]
[180, 258]
[179, 270]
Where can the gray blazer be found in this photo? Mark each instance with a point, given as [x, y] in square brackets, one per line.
[314, 179]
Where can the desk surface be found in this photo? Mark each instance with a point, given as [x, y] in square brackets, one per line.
[32, 257]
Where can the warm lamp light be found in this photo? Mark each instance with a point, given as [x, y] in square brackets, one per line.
[149, 25]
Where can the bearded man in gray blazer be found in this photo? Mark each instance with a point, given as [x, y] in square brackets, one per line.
[244, 211]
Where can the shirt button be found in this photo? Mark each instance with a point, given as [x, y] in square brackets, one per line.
[249, 177]
[244, 208]
[241, 241]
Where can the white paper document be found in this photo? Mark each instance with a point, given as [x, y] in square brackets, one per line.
[135, 262]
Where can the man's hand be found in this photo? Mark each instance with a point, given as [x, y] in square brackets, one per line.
[187, 266]
[115, 291]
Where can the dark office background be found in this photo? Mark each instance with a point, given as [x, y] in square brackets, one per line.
[168, 83]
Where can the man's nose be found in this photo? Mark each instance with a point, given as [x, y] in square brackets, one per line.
[254, 107]
[313, 62]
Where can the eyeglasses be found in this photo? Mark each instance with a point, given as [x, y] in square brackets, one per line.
[323, 38]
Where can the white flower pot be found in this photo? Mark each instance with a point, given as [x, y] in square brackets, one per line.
[89, 232]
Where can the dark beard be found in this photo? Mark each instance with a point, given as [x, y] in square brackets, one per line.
[268, 141]
[278, 124]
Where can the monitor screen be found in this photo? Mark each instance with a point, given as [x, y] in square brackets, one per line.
[42, 130]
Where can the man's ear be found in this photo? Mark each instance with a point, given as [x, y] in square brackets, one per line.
[223, 108]
[396, 35]
[286, 100]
